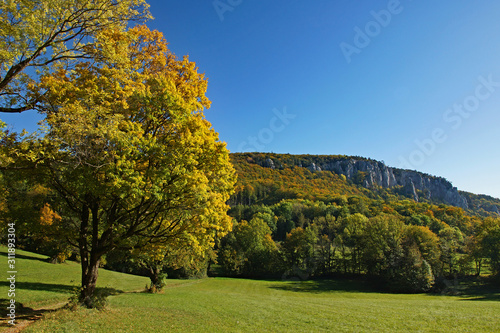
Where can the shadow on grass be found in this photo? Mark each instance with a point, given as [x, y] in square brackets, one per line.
[327, 286]
[27, 313]
[21, 312]
[28, 257]
[480, 290]
[470, 289]
[56, 288]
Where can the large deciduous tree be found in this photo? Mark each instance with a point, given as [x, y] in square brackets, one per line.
[129, 152]
[39, 34]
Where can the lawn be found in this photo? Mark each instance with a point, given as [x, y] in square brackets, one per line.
[239, 305]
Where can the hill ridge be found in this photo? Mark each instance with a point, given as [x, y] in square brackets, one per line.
[372, 174]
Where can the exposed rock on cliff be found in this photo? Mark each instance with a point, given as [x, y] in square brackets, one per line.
[371, 173]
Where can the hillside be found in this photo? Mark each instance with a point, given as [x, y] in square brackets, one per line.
[268, 177]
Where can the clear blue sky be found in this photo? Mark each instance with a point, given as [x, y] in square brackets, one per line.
[413, 83]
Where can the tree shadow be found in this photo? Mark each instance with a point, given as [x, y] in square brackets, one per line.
[327, 286]
[57, 288]
[481, 290]
[27, 313]
[23, 256]
[21, 312]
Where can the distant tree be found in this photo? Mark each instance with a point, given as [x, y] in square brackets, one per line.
[450, 242]
[31, 207]
[325, 229]
[360, 177]
[298, 251]
[382, 243]
[157, 259]
[350, 241]
[269, 218]
[249, 250]
[490, 242]
[427, 243]
[411, 273]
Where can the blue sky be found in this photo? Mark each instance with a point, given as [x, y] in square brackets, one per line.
[413, 83]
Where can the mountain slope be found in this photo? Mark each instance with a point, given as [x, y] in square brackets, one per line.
[269, 177]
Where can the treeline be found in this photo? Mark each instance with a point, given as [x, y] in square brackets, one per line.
[409, 246]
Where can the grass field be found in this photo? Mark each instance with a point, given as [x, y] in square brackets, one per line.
[238, 305]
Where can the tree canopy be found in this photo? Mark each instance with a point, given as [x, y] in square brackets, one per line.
[40, 34]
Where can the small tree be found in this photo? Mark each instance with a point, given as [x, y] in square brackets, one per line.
[350, 241]
[427, 243]
[382, 243]
[450, 242]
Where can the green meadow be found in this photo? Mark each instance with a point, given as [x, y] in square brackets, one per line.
[236, 305]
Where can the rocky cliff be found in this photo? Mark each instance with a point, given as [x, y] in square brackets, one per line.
[370, 173]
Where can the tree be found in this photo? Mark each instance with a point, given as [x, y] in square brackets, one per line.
[38, 226]
[156, 258]
[490, 242]
[450, 241]
[381, 247]
[412, 273]
[427, 243]
[325, 230]
[350, 241]
[39, 34]
[249, 249]
[129, 152]
[298, 252]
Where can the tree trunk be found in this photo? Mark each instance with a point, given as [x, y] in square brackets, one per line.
[156, 278]
[90, 254]
[89, 281]
[478, 266]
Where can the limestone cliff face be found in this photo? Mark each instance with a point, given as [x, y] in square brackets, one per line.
[372, 173]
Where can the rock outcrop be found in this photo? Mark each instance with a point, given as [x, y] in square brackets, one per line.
[371, 173]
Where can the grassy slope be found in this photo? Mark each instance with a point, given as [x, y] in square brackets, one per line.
[238, 305]
[39, 283]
